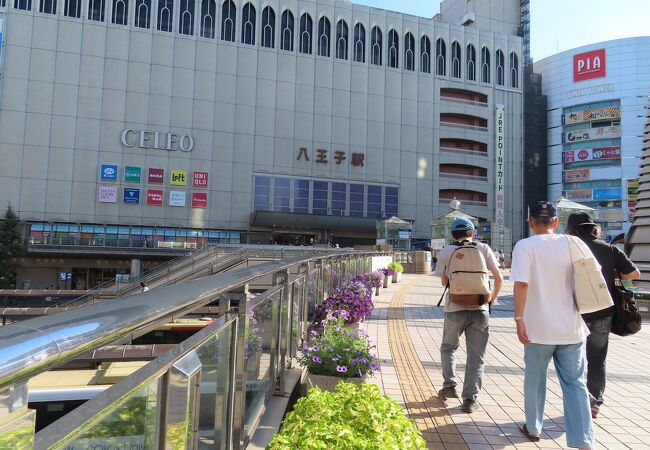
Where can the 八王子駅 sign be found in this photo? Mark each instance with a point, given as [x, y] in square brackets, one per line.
[157, 140]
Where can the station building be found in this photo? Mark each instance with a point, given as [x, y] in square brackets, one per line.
[596, 98]
[157, 123]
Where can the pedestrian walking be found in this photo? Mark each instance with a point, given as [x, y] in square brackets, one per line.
[550, 327]
[614, 264]
[143, 287]
[465, 265]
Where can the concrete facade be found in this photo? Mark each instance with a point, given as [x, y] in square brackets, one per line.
[71, 87]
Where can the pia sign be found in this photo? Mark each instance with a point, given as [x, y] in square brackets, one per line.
[589, 65]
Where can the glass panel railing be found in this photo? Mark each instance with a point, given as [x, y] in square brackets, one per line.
[129, 423]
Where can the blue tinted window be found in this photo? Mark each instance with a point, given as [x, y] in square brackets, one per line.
[301, 196]
[374, 201]
[262, 193]
[391, 201]
[356, 200]
[320, 197]
[338, 198]
[281, 195]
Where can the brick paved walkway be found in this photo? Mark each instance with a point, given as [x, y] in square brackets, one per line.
[407, 327]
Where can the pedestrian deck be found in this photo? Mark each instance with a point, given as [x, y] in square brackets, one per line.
[407, 328]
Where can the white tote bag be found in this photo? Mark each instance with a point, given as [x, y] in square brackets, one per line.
[589, 287]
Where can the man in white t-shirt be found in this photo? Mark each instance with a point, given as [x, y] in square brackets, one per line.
[550, 327]
[473, 321]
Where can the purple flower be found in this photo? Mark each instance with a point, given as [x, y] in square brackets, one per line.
[314, 333]
[341, 369]
[317, 360]
[374, 366]
[315, 348]
[330, 349]
[362, 361]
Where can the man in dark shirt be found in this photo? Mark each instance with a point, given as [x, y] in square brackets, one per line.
[614, 264]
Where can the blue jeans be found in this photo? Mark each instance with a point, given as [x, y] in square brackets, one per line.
[597, 343]
[475, 325]
[570, 368]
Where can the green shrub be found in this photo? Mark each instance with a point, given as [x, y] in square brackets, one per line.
[354, 417]
[397, 267]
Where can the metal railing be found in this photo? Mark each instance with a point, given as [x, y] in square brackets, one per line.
[463, 100]
[460, 176]
[463, 126]
[207, 392]
[463, 151]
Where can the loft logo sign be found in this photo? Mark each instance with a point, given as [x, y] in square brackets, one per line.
[157, 140]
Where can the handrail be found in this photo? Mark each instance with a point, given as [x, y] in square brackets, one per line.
[463, 126]
[462, 100]
[463, 151]
[39, 344]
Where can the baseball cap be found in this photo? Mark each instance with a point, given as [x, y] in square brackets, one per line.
[577, 219]
[542, 209]
[462, 224]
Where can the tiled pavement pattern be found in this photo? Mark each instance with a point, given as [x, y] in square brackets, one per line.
[407, 327]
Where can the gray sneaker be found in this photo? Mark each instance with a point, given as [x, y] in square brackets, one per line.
[469, 406]
[447, 392]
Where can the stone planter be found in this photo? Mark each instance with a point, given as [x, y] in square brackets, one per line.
[252, 366]
[397, 277]
[377, 291]
[326, 382]
[387, 281]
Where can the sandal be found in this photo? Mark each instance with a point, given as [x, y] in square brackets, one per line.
[530, 436]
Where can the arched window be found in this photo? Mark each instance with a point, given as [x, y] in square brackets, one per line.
[375, 46]
[268, 27]
[514, 70]
[409, 52]
[359, 43]
[208, 14]
[286, 39]
[470, 57]
[324, 36]
[306, 30]
[48, 7]
[342, 40]
[455, 60]
[186, 18]
[441, 57]
[120, 12]
[425, 54]
[500, 63]
[485, 65]
[248, 24]
[142, 16]
[228, 17]
[165, 13]
[95, 10]
[72, 8]
[393, 49]
[27, 5]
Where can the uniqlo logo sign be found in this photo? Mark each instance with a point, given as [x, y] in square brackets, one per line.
[157, 176]
[200, 179]
[589, 65]
[154, 197]
[199, 200]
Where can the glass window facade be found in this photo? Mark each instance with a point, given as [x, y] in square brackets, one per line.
[282, 195]
[320, 197]
[357, 194]
[374, 201]
[301, 196]
[262, 193]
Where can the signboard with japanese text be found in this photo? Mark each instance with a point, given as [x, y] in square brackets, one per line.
[610, 214]
[199, 200]
[575, 176]
[589, 134]
[156, 176]
[176, 198]
[578, 195]
[606, 194]
[132, 174]
[107, 194]
[589, 154]
[131, 196]
[323, 156]
[632, 189]
[589, 65]
[588, 115]
[154, 197]
[178, 177]
[200, 179]
[500, 166]
[109, 172]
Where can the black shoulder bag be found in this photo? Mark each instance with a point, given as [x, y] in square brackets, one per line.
[627, 319]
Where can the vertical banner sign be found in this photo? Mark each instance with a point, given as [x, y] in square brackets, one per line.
[499, 164]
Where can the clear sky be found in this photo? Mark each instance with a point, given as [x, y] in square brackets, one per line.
[558, 25]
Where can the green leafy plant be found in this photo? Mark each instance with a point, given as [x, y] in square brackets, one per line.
[397, 267]
[11, 246]
[354, 417]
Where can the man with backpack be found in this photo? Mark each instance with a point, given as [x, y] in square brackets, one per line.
[464, 268]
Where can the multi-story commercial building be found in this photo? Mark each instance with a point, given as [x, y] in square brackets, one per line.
[145, 122]
[596, 98]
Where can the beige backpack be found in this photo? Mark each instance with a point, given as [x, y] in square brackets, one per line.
[469, 278]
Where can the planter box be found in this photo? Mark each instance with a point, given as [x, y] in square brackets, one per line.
[397, 277]
[377, 291]
[387, 281]
[326, 382]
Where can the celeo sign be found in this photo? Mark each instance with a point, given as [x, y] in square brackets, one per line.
[589, 65]
[157, 140]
